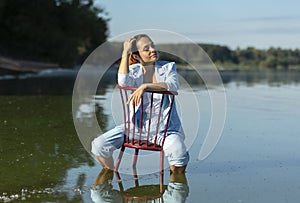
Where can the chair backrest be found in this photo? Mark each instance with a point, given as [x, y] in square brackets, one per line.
[146, 125]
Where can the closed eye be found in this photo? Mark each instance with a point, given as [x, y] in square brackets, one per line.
[147, 47]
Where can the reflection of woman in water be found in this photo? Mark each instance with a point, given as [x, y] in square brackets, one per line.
[103, 191]
[139, 68]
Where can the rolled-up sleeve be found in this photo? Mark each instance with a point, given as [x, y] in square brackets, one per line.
[133, 79]
[171, 78]
[124, 80]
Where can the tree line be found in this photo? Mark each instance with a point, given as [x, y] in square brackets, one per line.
[226, 58]
[272, 58]
[67, 31]
[56, 31]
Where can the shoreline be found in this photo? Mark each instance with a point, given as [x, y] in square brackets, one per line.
[10, 66]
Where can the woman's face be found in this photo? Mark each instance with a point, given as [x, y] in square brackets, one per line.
[147, 51]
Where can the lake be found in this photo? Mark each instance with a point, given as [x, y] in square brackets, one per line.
[257, 158]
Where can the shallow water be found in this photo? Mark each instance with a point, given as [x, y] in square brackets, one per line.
[256, 160]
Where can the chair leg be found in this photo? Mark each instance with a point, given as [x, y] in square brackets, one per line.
[136, 153]
[119, 159]
[161, 181]
[162, 154]
[135, 177]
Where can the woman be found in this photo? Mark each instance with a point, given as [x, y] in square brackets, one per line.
[139, 68]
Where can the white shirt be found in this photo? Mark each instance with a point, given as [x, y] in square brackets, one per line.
[165, 72]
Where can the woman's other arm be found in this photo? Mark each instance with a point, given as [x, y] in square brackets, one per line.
[135, 98]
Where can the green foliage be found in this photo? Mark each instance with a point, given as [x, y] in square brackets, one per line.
[219, 53]
[272, 58]
[59, 31]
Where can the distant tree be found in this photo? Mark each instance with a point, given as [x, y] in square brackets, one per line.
[270, 62]
[219, 54]
[60, 31]
[246, 55]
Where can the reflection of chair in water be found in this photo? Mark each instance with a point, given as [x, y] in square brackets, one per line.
[103, 191]
[146, 127]
[141, 193]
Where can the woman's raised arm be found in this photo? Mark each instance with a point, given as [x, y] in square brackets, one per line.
[124, 64]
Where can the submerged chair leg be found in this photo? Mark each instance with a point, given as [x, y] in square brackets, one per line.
[119, 159]
[119, 180]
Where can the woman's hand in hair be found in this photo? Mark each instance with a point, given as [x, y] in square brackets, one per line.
[127, 45]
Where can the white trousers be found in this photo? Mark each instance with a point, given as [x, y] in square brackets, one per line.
[174, 147]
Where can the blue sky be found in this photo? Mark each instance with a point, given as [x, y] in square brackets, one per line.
[234, 23]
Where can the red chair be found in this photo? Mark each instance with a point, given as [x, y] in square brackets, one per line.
[139, 132]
